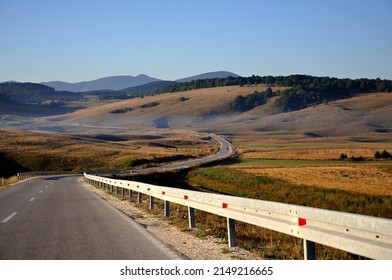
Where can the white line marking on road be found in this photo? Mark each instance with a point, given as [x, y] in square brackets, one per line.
[40, 191]
[9, 217]
[46, 186]
[31, 199]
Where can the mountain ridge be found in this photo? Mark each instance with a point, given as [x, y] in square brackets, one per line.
[105, 83]
[122, 82]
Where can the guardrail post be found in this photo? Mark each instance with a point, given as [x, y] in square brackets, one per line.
[231, 232]
[309, 250]
[130, 195]
[191, 217]
[151, 202]
[139, 197]
[167, 208]
[122, 192]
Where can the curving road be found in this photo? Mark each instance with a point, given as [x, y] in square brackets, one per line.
[225, 151]
[59, 218]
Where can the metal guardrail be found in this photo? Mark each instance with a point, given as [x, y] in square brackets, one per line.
[367, 236]
[29, 174]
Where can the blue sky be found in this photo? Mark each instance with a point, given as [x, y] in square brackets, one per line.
[78, 40]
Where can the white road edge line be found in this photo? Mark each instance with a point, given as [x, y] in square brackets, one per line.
[32, 199]
[9, 217]
[40, 191]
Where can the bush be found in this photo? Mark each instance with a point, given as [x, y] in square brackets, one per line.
[343, 156]
[384, 155]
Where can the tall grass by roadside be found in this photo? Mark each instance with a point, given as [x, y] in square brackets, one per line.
[263, 242]
[233, 182]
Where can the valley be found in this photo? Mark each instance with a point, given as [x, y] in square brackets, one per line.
[291, 157]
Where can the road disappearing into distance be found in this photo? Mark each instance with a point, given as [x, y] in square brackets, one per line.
[57, 217]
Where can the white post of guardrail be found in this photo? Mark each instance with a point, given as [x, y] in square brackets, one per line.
[309, 250]
[191, 217]
[130, 195]
[231, 232]
[166, 211]
[139, 197]
[123, 192]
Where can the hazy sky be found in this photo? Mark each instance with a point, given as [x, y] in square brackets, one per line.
[78, 40]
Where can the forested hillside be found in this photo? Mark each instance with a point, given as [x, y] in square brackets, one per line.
[32, 92]
[304, 90]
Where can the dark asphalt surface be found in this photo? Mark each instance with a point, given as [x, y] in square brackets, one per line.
[59, 218]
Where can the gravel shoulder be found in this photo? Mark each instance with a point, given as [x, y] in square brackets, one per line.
[187, 244]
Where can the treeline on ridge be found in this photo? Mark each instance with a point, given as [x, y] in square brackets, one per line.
[303, 91]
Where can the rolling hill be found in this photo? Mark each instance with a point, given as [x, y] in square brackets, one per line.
[364, 117]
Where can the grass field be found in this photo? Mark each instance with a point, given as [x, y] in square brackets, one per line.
[49, 151]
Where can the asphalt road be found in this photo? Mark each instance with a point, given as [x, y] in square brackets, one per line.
[225, 151]
[59, 218]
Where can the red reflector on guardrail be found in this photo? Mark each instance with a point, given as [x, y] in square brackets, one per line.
[163, 193]
[224, 205]
[301, 221]
[148, 189]
[185, 197]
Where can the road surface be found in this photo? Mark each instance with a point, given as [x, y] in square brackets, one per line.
[59, 218]
[225, 151]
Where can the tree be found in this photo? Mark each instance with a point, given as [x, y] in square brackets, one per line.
[385, 154]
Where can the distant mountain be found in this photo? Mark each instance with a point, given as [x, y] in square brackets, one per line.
[125, 82]
[106, 83]
[148, 88]
[209, 75]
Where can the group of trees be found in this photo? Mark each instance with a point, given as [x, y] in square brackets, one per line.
[383, 155]
[33, 93]
[245, 103]
[4, 98]
[363, 85]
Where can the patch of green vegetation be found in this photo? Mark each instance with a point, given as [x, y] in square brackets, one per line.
[280, 162]
[132, 162]
[289, 145]
[121, 111]
[386, 167]
[149, 105]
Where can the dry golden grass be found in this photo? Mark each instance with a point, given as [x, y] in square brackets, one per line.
[324, 168]
[182, 108]
[321, 149]
[366, 179]
[48, 151]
